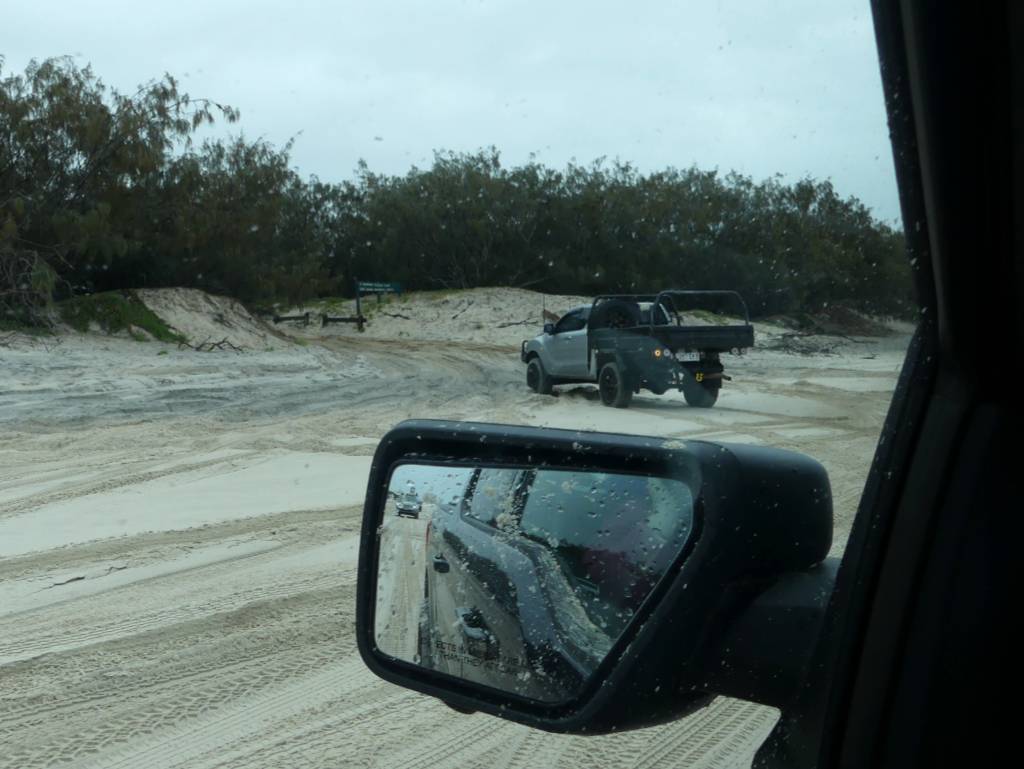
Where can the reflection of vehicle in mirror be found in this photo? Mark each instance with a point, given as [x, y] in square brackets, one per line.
[477, 637]
[536, 573]
[408, 504]
[626, 343]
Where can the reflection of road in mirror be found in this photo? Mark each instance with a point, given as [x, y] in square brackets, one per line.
[413, 496]
[400, 582]
[521, 579]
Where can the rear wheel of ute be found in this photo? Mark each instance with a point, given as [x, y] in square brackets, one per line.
[700, 397]
[614, 390]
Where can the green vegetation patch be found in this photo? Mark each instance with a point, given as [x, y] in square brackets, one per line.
[8, 325]
[114, 311]
[332, 304]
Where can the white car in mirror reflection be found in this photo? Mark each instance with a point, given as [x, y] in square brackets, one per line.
[408, 504]
[533, 574]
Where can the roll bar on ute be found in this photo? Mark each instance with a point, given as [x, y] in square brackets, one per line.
[662, 296]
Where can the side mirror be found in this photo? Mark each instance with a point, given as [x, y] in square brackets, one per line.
[588, 582]
[549, 328]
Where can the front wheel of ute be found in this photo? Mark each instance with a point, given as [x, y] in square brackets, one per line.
[700, 397]
[614, 390]
[537, 379]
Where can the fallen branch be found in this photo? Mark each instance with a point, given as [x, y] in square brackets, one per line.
[209, 346]
[820, 328]
[396, 315]
[799, 344]
[835, 334]
[14, 339]
[67, 581]
[527, 322]
[468, 305]
[50, 343]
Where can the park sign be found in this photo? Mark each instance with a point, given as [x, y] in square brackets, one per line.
[377, 287]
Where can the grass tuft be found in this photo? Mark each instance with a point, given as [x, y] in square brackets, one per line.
[114, 312]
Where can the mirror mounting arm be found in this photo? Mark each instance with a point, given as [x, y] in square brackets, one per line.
[764, 654]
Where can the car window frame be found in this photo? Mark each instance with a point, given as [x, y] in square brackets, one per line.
[576, 314]
[847, 712]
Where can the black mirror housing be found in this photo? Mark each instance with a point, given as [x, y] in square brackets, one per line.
[762, 515]
[549, 328]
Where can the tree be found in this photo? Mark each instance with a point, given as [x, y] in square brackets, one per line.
[73, 154]
[102, 191]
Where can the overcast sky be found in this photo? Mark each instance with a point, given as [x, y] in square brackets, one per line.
[788, 87]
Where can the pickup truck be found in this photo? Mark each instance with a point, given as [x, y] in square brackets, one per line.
[630, 342]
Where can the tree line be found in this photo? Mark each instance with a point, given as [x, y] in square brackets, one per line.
[101, 191]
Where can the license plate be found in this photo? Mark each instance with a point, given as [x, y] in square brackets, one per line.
[688, 356]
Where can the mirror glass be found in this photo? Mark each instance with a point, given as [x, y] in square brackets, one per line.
[520, 579]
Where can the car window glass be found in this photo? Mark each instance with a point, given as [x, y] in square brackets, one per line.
[574, 321]
[492, 496]
[611, 532]
[658, 312]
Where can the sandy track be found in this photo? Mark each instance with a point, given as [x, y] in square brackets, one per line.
[228, 640]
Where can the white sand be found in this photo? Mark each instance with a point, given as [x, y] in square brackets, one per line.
[243, 488]
[203, 317]
[180, 531]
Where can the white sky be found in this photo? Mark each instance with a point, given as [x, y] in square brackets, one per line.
[788, 86]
